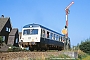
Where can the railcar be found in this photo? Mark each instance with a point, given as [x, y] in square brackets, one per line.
[38, 37]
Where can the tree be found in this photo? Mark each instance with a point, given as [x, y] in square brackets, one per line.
[85, 46]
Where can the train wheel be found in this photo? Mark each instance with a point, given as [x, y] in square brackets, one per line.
[31, 49]
[37, 49]
[45, 49]
[40, 49]
[59, 49]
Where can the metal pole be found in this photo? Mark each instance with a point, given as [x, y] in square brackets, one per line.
[67, 22]
[67, 28]
[67, 11]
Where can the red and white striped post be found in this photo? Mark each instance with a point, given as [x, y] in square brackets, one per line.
[67, 22]
[67, 11]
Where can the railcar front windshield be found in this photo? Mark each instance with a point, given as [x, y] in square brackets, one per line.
[30, 31]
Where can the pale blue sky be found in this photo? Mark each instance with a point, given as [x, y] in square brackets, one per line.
[51, 14]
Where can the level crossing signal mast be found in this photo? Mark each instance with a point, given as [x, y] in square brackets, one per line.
[65, 30]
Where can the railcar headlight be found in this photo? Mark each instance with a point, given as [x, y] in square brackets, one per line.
[36, 37]
[22, 38]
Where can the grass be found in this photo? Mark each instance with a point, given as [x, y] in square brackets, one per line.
[83, 56]
[60, 57]
[86, 58]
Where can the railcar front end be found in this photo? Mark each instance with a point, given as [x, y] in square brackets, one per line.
[37, 37]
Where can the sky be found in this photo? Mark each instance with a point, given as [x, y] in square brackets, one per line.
[51, 14]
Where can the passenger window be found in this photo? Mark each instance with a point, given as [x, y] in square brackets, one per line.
[57, 38]
[51, 36]
[43, 33]
[61, 39]
[54, 37]
[47, 34]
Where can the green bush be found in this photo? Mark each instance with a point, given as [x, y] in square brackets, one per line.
[85, 46]
[14, 49]
[81, 56]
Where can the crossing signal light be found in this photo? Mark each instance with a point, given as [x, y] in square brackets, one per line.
[65, 26]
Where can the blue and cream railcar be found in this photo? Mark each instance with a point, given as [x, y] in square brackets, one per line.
[38, 37]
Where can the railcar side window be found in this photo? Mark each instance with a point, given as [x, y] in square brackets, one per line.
[61, 39]
[43, 33]
[47, 34]
[26, 32]
[51, 36]
[57, 37]
[54, 37]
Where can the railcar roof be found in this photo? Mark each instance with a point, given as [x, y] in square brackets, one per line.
[38, 25]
